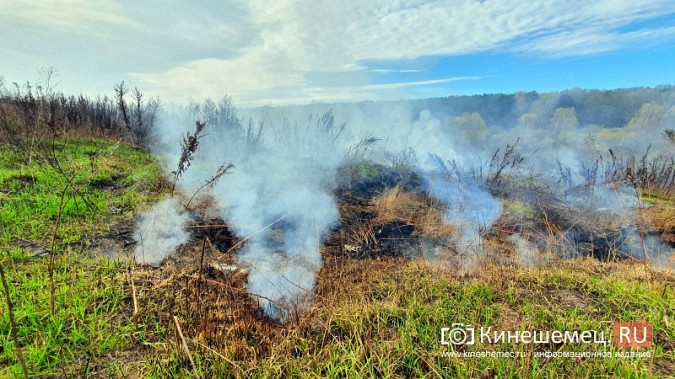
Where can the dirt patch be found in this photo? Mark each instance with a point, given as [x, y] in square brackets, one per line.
[105, 182]
[118, 243]
[24, 179]
[36, 249]
[565, 299]
[111, 248]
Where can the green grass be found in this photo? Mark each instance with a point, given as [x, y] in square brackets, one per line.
[103, 172]
[110, 183]
[521, 209]
[91, 306]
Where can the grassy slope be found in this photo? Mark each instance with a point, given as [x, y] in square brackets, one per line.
[110, 182]
[371, 317]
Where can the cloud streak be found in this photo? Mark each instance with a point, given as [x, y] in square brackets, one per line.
[300, 38]
[75, 16]
[352, 93]
[256, 50]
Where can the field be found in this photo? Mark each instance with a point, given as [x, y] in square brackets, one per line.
[69, 208]
[337, 189]
[136, 242]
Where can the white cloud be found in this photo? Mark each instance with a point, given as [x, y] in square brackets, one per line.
[594, 40]
[81, 16]
[391, 70]
[299, 38]
[345, 93]
[258, 49]
[387, 86]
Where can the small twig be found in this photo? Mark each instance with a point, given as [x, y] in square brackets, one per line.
[211, 182]
[217, 354]
[12, 322]
[208, 226]
[133, 291]
[185, 346]
[236, 245]
[201, 259]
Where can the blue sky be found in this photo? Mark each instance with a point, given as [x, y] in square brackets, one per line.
[281, 52]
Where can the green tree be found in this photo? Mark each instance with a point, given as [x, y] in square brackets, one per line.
[648, 118]
[472, 125]
[564, 119]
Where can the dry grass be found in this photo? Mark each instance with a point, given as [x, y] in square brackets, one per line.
[662, 217]
[422, 212]
[381, 317]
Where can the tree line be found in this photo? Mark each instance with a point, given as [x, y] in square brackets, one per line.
[35, 111]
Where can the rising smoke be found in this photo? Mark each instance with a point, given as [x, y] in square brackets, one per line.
[161, 230]
[280, 194]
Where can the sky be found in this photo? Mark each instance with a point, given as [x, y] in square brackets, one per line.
[296, 52]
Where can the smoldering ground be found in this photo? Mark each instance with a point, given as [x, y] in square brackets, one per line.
[280, 195]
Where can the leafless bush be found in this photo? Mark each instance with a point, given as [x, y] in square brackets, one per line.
[643, 173]
[138, 118]
[493, 174]
[33, 112]
[501, 167]
[188, 148]
[669, 135]
[402, 159]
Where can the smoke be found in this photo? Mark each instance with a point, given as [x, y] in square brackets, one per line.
[279, 196]
[469, 207]
[658, 253]
[161, 230]
[566, 154]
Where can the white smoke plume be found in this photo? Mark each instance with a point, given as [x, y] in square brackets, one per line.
[161, 230]
[278, 196]
[562, 155]
[470, 208]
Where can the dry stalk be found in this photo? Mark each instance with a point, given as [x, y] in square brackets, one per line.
[52, 252]
[208, 226]
[201, 275]
[12, 322]
[188, 146]
[133, 290]
[185, 346]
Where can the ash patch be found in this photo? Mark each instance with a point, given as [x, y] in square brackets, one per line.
[368, 180]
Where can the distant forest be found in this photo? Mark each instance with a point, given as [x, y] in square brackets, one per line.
[37, 109]
[604, 108]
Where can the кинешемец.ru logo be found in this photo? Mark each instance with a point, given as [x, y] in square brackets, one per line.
[632, 334]
[626, 335]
